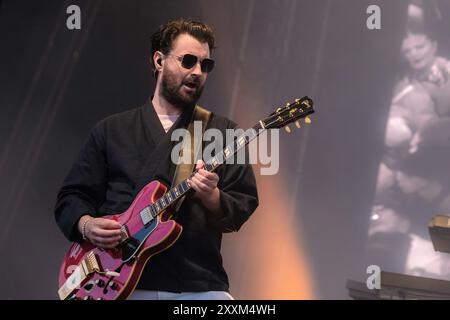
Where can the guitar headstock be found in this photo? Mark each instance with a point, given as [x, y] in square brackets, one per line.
[292, 112]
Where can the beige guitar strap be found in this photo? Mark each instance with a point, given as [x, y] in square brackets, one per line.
[184, 170]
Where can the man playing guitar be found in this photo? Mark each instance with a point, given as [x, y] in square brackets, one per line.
[126, 151]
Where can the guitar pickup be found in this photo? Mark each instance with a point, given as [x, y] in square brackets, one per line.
[146, 216]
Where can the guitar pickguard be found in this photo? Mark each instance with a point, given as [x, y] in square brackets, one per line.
[131, 245]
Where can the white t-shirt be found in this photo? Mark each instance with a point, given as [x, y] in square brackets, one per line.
[167, 120]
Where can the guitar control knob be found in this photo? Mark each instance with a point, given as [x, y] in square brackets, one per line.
[113, 285]
[100, 283]
[88, 298]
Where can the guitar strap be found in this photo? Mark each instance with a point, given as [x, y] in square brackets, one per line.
[190, 150]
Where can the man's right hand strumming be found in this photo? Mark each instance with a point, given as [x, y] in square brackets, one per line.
[103, 233]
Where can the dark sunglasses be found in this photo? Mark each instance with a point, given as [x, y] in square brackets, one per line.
[188, 61]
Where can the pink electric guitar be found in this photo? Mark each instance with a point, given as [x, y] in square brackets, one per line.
[91, 273]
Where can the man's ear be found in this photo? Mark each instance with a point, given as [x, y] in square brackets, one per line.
[157, 60]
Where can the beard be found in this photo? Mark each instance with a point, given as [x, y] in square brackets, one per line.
[172, 91]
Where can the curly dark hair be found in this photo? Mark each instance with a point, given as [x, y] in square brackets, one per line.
[163, 38]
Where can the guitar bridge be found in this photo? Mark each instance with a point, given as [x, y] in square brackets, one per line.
[124, 234]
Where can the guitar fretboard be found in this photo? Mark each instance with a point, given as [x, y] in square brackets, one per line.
[171, 196]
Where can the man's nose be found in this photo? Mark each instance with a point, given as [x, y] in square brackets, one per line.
[197, 69]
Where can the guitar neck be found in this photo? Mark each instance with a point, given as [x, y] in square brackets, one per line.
[230, 150]
[171, 196]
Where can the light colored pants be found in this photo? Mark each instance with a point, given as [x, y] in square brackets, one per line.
[165, 295]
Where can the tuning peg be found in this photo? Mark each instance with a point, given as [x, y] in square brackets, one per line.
[279, 109]
[297, 124]
[297, 100]
[307, 120]
[287, 104]
[288, 129]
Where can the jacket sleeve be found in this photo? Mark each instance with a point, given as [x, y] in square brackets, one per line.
[83, 190]
[238, 199]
